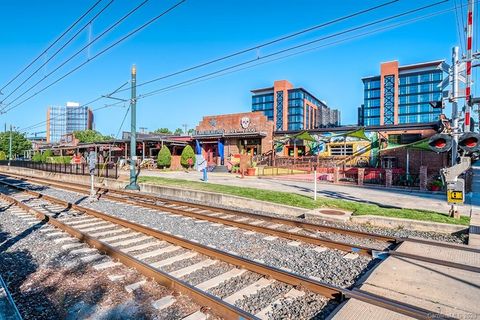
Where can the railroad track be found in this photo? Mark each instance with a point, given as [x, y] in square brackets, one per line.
[319, 235]
[113, 236]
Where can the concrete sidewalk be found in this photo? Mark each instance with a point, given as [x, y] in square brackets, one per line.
[382, 197]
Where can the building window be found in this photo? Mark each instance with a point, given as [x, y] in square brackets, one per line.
[341, 150]
[389, 99]
[404, 138]
[279, 121]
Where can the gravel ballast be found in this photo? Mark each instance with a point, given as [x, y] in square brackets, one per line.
[47, 282]
[329, 265]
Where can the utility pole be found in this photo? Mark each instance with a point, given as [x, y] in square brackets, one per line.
[133, 132]
[10, 147]
[185, 128]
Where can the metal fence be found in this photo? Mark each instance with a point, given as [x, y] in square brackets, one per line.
[106, 170]
[405, 180]
[374, 176]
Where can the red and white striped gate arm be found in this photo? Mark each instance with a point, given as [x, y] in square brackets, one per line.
[468, 63]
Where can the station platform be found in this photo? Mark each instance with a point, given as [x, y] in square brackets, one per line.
[449, 291]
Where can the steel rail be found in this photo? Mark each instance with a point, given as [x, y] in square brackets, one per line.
[81, 189]
[305, 238]
[271, 231]
[202, 298]
[290, 222]
[327, 290]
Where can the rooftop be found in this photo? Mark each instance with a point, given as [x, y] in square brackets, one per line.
[433, 63]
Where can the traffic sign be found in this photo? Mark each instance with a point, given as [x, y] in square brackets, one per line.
[456, 191]
[454, 196]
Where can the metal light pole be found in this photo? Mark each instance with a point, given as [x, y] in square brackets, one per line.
[133, 132]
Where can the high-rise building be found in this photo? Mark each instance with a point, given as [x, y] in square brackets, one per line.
[293, 108]
[401, 94]
[62, 120]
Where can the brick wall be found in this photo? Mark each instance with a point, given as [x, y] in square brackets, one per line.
[232, 122]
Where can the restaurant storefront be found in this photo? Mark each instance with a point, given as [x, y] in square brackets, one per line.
[223, 136]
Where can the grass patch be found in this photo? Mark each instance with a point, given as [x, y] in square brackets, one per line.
[301, 201]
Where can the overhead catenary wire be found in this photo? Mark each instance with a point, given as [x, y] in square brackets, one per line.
[226, 70]
[79, 51]
[99, 54]
[336, 34]
[268, 43]
[56, 53]
[52, 44]
[81, 106]
[459, 25]
[220, 73]
[282, 38]
[349, 16]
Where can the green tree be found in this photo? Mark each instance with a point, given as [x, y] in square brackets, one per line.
[187, 153]
[37, 157]
[47, 154]
[190, 132]
[19, 143]
[178, 131]
[3, 156]
[163, 131]
[90, 136]
[164, 158]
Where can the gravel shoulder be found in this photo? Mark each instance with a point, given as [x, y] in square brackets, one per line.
[47, 282]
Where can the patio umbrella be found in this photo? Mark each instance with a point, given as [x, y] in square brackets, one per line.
[220, 149]
[198, 149]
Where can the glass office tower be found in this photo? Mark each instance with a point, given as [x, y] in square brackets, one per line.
[401, 94]
[293, 109]
[62, 120]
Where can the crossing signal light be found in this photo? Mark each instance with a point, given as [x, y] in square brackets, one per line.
[469, 142]
[440, 142]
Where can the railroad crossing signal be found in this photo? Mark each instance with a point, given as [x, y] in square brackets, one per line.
[92, 161]
[469, 142]
[440, 142]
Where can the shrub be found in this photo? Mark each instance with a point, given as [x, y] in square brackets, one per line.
[59, 159]
[46, 154]
[187, 153]
[164, 158]
[2, 156]
[37, 157]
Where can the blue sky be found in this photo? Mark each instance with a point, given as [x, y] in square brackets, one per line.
[201, 30]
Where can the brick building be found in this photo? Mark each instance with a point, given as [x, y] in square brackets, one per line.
[293, 108]
[249, 132]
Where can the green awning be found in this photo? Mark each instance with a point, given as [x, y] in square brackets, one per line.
[359, 133]
[304, 135]
[418, 145]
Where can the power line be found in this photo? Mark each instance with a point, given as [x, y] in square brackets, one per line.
[79, 51]
[227, 70]
[253, 48]
[223, 72]
[51, 45]
[98, 54]
[282, 38]
[304, 44]
[81, 106]
[459, 26]
[53, 56]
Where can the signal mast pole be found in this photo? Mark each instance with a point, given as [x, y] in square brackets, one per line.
[455, 117]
